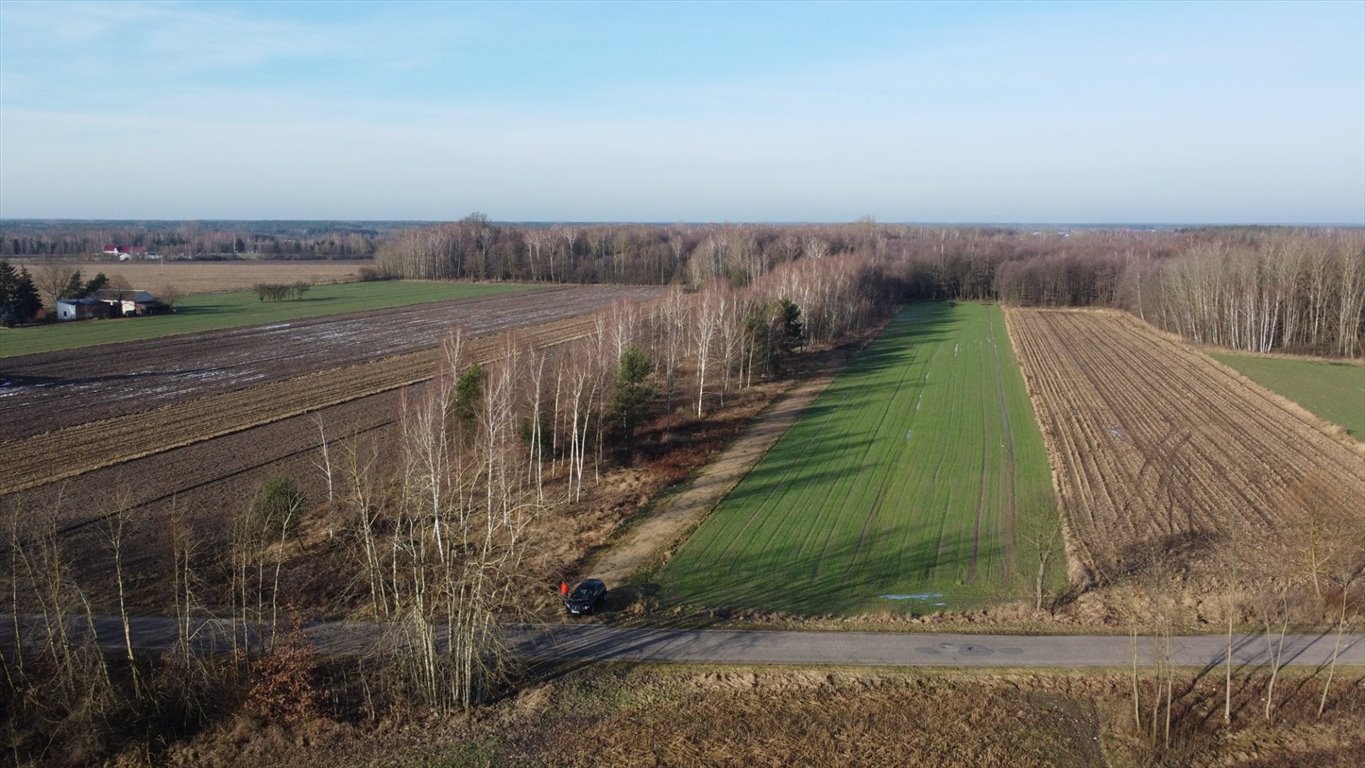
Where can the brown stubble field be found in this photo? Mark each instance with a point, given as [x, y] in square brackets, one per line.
[186, 277]
[1166, 462]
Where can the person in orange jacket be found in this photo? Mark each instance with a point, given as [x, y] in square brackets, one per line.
[563, 588]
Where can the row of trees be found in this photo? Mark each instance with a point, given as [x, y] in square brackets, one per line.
[445, 537]
[1289, 293]
[22, 295]
[298, 240]
[1254, 289]
[695, 254]
[281, 291]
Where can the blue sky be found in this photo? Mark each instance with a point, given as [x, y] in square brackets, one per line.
[1018, 112]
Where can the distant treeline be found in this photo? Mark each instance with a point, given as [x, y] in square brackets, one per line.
[270, 239]
[1254, 288]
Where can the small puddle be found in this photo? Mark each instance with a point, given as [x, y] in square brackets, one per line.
[918, 596]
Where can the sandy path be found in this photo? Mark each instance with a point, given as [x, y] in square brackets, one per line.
[678, 514]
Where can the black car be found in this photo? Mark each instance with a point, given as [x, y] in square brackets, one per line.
[587, 597]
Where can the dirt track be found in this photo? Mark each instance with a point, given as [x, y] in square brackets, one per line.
[1163, 456]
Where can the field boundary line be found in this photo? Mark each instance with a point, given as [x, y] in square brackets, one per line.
[1079, 570]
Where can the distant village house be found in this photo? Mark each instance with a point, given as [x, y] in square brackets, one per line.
[130, 253]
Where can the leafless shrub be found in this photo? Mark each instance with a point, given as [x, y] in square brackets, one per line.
[283, 687]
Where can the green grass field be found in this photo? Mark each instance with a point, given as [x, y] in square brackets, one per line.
[920, 474]
[1333, 392]
[212, 311]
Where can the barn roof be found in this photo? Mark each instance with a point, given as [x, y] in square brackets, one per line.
[117, 294]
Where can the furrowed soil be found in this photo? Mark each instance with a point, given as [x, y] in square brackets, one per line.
[212, 312]
[1167, 463]
[160, 419]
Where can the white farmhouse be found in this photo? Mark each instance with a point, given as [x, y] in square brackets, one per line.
[81, 309]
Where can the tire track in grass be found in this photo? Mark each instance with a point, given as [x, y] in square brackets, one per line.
[813, 463]
[1007, 492]
[824, 529]
[911, 546]
[894, 516]
[980, 491]
[926, 548]
[875, 445]
[946, 545]
[729, 522]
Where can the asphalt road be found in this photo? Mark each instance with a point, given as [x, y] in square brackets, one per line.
[589, 642]
[895, 649]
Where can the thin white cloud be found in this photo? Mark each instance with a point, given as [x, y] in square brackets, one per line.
[1063, 129]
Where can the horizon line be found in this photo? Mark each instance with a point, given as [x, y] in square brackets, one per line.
[693, 222]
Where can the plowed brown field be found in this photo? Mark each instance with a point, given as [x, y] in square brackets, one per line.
[44, 392]
[1161, 454]
[141, 420]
